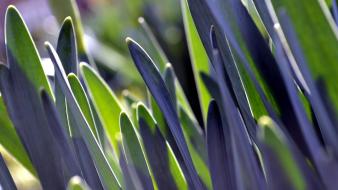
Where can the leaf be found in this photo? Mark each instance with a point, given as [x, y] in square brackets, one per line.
[83, 102]
[107, 176]
[244, 160]
[10, 140]
[70, 165]
[157, 87]
[20, 46]
[198, 56]
[156, 48]
[87, 162]
[170, 79]
[217, 150]
[67, 50]
[318, 49]
[105, 103]
[214, 17]
[327, 169]
[335, 11]
[277, 149]
[197, 146]
[162, 161]
[6, 179]
[25, 109]
[68, 8]
[133, 151]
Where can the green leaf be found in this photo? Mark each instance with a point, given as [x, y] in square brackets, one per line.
[198, 56]
[105, 103]
[133, 151]
[83, 102]
[274, 139]
[10, 140]
[318, 37]
[20, 46]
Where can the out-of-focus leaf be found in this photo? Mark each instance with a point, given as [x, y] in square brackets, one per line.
[324, 122]
[107, 176]
[198, 56]
[275, 146]
[66, 49]
[160, 56]
[9, 139]
[68, 8]
[335, 11]
[105, 103]
[326, 167]
[112, 60]
[317, 36]
[76, 183]
[162, 161]
[6, 179]
[157, 87]
[133, 151]
[217, 149]
[20, 47]
[83, 102]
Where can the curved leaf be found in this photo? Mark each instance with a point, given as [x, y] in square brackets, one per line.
[105, 103]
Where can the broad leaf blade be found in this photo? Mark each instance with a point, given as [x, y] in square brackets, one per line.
[21, 48]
